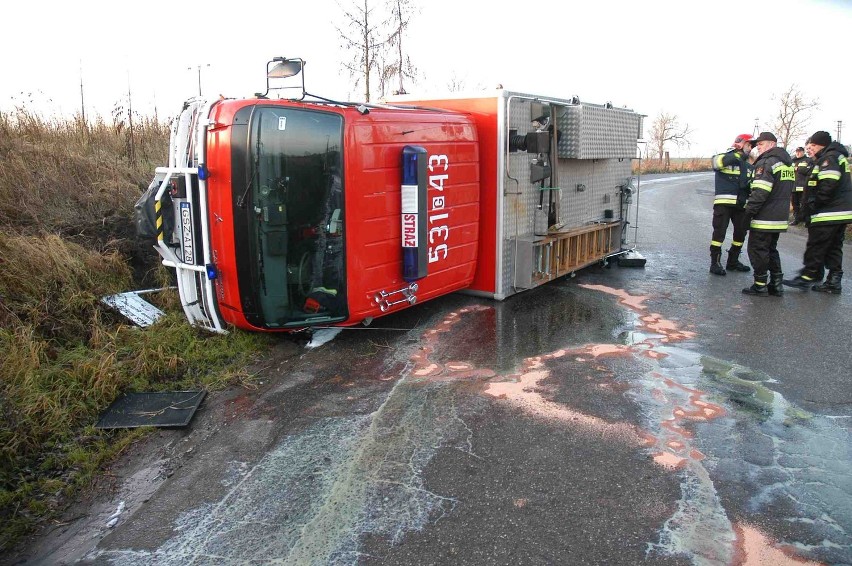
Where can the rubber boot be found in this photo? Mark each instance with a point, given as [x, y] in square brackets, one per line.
[734, 260]
[831, 284]
[802, 282]
[776, 287]
[758, 288]
[716, 261]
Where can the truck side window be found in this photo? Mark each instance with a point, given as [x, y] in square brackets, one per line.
[297, 186]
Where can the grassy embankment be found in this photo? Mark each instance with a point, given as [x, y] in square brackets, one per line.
[678, 165]
[66, 239]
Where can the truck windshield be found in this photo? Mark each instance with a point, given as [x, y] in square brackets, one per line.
[297, 222]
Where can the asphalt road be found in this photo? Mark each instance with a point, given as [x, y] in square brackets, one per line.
[619, 417]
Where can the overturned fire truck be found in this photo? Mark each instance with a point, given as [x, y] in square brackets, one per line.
[285, 214]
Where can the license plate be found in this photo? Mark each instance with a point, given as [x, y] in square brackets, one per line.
[186, 233]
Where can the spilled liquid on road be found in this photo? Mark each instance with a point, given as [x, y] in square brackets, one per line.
[805, 455]
[675, 402]
[320, 492]
[313, 498]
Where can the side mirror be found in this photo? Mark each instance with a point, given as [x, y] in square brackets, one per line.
[283, 68]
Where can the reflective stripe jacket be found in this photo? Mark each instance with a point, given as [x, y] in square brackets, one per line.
[732, 176]
[803, 172]
[829, 196]
[769, 202]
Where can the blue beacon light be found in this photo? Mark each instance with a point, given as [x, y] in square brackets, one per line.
[413, 218]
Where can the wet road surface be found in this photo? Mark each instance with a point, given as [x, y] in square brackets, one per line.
[622, 416]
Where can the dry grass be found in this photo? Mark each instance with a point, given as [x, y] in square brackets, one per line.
[56, 173]
[67, 191]
[53, 284]
[679, 165]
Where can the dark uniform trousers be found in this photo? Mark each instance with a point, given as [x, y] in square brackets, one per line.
[797, 204]
[722, 215]
[824, 248]
[763, 252]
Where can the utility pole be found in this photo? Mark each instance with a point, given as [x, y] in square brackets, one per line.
[156, 118]
[198, 68]
[756, 126]
[839, 124]
[82, 103]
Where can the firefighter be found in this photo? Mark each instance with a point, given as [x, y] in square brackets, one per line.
[828, 210]
[732, 187]
[767, 211]
[803, 165]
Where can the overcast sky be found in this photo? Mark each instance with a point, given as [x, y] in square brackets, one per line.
[716, 65]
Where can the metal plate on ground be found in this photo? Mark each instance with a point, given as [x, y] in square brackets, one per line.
[160, 409]
[131, 305]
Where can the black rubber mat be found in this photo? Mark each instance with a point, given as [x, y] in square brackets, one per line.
[161, 409]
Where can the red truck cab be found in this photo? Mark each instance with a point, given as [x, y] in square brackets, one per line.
[297, 213]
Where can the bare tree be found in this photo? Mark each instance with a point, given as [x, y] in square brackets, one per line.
[400, 66]
[372, 36]
[362, 38]
[456, 83]
[385, 71]
[666, 129]
[794, 113]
